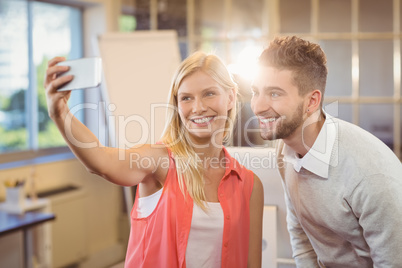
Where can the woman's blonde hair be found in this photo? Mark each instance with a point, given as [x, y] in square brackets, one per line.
[176, 137]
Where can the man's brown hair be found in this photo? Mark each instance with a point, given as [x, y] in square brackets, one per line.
[306, 59]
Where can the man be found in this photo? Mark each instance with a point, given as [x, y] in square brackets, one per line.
[343, 186]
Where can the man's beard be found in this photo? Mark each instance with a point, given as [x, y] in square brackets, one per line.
[285, 128]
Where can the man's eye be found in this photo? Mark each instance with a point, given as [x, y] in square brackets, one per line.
[274, 94]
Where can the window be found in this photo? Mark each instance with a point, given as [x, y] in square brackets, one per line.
[363, 50]
[32, 33]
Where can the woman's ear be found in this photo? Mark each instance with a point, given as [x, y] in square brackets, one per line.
[232, 99]
[314, 101]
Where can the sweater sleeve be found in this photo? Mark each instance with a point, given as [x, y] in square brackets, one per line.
[303, 251]
[377, 202]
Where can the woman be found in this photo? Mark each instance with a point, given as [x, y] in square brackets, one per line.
[195, 206]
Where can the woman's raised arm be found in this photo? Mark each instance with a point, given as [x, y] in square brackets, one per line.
[124, 167]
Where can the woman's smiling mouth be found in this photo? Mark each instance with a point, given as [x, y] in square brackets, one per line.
[202, 120]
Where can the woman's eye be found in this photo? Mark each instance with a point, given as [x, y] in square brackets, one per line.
[185, 98]
[210, 93]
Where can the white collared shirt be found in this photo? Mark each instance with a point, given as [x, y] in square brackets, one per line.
[318, 159]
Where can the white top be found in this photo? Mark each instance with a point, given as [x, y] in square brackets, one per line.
[147, 204]
[204, 245]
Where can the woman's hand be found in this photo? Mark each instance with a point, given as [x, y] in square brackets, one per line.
[56, 100]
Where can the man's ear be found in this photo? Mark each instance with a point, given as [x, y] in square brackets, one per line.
[314, 101]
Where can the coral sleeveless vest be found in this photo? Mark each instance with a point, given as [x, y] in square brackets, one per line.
[160, 240]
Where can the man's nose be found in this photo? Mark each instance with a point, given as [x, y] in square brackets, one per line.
[259, 104]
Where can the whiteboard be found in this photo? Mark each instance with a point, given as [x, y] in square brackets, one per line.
[138, 68]
[137, 71]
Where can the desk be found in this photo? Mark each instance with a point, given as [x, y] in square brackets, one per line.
[14, 222]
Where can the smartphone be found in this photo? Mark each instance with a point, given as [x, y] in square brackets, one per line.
[87, 73]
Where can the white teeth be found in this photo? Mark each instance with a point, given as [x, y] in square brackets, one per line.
[202, 120]
[267, 120]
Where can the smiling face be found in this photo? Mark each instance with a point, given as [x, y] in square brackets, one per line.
[203, 107]
[277, 104]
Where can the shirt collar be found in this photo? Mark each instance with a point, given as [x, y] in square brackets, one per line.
[318, 158]
[231, 165]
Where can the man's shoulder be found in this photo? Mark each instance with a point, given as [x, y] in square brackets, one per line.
[358, 148]
[351, 135]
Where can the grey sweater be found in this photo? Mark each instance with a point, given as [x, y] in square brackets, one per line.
[352, 218]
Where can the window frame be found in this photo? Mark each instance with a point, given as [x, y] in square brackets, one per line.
[34, 154]
[271, 27]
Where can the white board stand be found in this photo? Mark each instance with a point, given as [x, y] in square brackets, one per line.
[138, 68]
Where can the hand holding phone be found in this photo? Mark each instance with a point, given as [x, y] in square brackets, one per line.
[87, 73]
